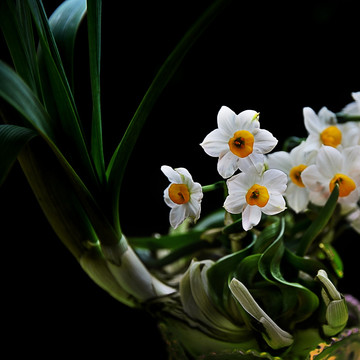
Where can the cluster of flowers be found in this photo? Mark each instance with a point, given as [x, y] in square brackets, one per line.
[259, 182]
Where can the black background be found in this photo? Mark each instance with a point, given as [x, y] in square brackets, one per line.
[272, 57]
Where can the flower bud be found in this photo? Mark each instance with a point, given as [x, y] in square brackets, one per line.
[272, 333]
[336, 314]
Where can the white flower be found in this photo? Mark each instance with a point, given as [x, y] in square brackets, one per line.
[183, 195]
[354, 218]
[323, 129]
[334, 167]
[353, 109]
[238, 141]
[293, 164]
[251, 194]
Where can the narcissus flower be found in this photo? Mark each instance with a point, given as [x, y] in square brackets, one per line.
[323, 129]
[252, 194]
[334, 167]
[183, 195]
[353, 109]
[293, 164]
[238, 141]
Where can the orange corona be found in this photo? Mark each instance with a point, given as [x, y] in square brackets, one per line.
[257, 195]
[179, 193]
[242, 143]
[295, 175]
[346, 184]
[331, 136]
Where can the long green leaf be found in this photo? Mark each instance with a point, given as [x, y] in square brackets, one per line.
[16, 92]
[16, 25]
[94, 33]
[319, 224]
[119, 160]
[64, 24]
[298, 301]
[60, 102]
[222, 270]
[12, 140]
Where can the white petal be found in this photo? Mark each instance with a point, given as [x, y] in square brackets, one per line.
[329, 161]
[312, 122]
[275, 205]
[319, 197]
[215, 143]
[227, 164]
[326, 116]
[352, 109]
[352, 161]
[226, 121]
[185, 173]
[351, 199]
[251, 217]
[280, 160]
[297, 197]
[193, 209]
[196, 191]
[252, 161]
[275, 180]
[177, 215]
[244, 181]
[313, 179]
[235, 202]
[264, 141]
[171, 174]
[245, 120]
[167, 199]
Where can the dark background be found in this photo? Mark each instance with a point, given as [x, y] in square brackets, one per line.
[273, 57]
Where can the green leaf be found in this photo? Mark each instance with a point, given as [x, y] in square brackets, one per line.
[319, 224]
[276, 337]
[298, 302]
[59, 99]
[119, 160]
[12, 140]
[94, 32]
[16, 92]
[64, 24]
[268, 235]
[16, 25]
[222, 270]
[58, 198]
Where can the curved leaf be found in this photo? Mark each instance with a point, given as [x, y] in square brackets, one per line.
[16, 92]
[298, 302]
[220, 272]
[12, 140]
[94, 33]
[319, 224]
[59, 98]
[64, 24]
[16, 25]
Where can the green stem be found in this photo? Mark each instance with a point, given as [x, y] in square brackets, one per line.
[212, 187]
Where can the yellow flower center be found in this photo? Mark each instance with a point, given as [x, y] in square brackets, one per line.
[346, 184]
[179, 193]
[295, 175]
[242, 143]
[257, 195]
[331, 136]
